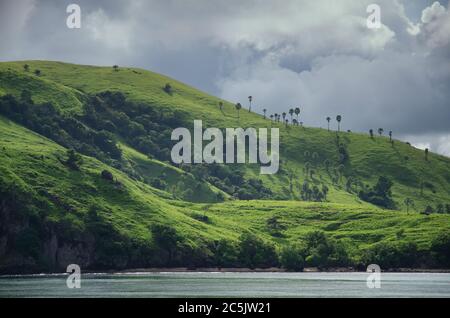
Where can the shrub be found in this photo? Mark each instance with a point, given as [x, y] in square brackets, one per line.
[291, 258]
[254, 252]
[380, 194]
[167, 239]
[440, 250]
[74, 159]
[321, 251]
[392, 255]
[107, 175]
[168, 89]
[428, 210]
[225, 253]
[158, 183]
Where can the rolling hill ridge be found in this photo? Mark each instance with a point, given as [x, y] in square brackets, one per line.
[86, 178]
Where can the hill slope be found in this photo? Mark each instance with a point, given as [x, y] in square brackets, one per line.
[53, 215]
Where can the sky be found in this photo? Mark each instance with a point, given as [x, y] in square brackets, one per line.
[317, 55]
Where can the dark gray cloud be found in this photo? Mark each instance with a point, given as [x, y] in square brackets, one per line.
[315, 54]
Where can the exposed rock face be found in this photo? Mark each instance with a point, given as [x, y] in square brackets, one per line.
[60, 254]
[54, 254]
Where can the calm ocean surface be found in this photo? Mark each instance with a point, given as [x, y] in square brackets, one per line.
[200, 284]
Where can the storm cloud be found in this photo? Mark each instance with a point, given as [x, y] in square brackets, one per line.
[316, 55]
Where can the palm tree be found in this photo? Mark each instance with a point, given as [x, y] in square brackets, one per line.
[295, 122]
[287, 122]
[426, 154]
[116, 67]
[380, 131]
[291, 112]
[238, 107]
[250, 98]
[339, 118]
[328, 120]
[276, 116]
[26, 67]
[390, 135]
[271, 117]
[284, 116]
[297, 112]
[221, 106]
[264, 111]
[371, 133]
[408, 202]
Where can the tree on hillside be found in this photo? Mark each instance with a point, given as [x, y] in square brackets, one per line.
[264, 111]
[26, 67]
[168, 88]
[380, 131]
[306, 168]
[426, 154]
[250, 98]
[284, 116]
[271, 117]
[315, 157]
[390, 135]
[297, 112]
[221, 106]
[291, 258]
[291, 112]
[325, 191]
[254, 252]
[339, 119]
[380, 194]
[371, 133]
[327, 164]
[37, 72]
[428, 210]
[286, 122]
[276, 117]
[116, 68]
[409, 203]
[328, 120]
[74, 159]
[238, 107]
[167, 239]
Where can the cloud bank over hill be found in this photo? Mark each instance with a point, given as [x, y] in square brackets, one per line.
[317, 55]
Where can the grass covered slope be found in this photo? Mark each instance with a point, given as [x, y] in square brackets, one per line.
[52, 214]
[368, 158]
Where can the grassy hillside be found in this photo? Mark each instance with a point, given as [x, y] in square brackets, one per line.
[369, 158]
[52, 214]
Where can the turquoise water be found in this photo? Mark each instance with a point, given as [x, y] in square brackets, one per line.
[197, 284]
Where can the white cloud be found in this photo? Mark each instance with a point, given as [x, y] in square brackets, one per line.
[439, 143]
[315, 54]
[112, 33]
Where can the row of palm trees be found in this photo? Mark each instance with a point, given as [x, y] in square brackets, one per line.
[295, 121]
[380, 132]
[277, 117]
[338, 119]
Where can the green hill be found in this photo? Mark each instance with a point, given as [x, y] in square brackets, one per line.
[124, 204]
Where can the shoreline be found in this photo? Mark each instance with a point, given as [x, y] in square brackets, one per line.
[274, 270]
[228, 270]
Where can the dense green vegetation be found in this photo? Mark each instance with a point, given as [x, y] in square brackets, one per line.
[85, 177]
